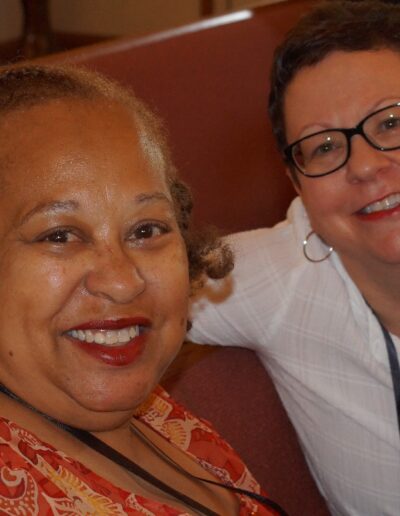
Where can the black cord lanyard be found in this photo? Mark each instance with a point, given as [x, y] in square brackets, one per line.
[394, 368]
[113, 455]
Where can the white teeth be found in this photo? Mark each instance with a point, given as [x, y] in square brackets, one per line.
[123, 335]
[389, 202]
[106, 337]
[99, 338]
[111, 337]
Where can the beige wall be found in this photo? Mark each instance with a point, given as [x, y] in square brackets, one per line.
[114, 17]
[121, 16]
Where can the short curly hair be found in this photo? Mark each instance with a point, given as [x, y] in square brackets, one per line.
[333, 25]
[28, 85]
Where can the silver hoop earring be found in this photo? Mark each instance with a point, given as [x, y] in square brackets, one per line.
[309, 258]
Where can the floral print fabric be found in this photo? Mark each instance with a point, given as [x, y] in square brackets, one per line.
[36, 479]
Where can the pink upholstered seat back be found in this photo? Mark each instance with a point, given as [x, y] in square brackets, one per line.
[230, 387]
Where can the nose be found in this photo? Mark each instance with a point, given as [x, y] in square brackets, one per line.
[114, 276]
[365, 161]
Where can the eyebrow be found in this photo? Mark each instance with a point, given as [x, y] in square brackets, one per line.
[152, 197]
[50, 207]
[70, 205]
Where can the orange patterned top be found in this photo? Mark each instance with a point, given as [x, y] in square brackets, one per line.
[37, 479]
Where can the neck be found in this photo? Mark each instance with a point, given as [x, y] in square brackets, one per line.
[117, 432]
[380, 287]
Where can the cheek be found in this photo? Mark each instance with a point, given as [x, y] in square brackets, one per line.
[35, 285]
[168, 291]
[171, 278]
[323, 198]
[34, 292]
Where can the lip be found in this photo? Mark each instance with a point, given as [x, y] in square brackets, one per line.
[114, 356]
[380, 214]
[112, 324]
[117, 356]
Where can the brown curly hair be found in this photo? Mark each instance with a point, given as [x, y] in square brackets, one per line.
[28, 85]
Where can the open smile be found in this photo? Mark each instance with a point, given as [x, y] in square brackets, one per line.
[380, 209]
[387, 203]
[116, 342]
[107, 337]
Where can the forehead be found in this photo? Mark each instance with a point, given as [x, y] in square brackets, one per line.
[340, 90]
[55, 140]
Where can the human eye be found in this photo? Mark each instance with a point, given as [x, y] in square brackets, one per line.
[329, 145]
[322, 149]
[389, 124]
[58, 236]
[147, 232]
[384, 121]
[319, 146]
[383, 128]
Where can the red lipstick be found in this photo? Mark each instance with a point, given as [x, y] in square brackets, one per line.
[378, 215]
[114, 355]
[113, 324]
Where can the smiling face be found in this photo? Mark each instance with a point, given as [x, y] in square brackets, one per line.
[93, 268]
[338, 92]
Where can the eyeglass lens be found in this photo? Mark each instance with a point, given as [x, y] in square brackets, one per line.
[328, 150]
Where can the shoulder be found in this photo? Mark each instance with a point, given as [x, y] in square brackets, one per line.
[269, 265]
[275, 250]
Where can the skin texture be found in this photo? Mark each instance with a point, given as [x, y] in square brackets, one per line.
[338, 92]
[87, 233]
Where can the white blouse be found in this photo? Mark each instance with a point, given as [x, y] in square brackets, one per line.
[325, 351]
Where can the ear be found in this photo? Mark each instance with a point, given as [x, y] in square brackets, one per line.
[292, 175]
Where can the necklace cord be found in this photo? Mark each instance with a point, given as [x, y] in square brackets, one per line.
[394, 367]
[112, 454]
[259, 498]
[393, 362]
[131, 466]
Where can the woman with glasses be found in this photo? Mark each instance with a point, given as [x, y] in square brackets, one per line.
[318, 296]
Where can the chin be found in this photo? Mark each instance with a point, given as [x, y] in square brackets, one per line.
[389, 259]
[121, 401]
[112, 397]
[99, 415]
[388, 251]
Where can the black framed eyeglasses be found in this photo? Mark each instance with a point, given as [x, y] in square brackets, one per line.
[324, 152]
